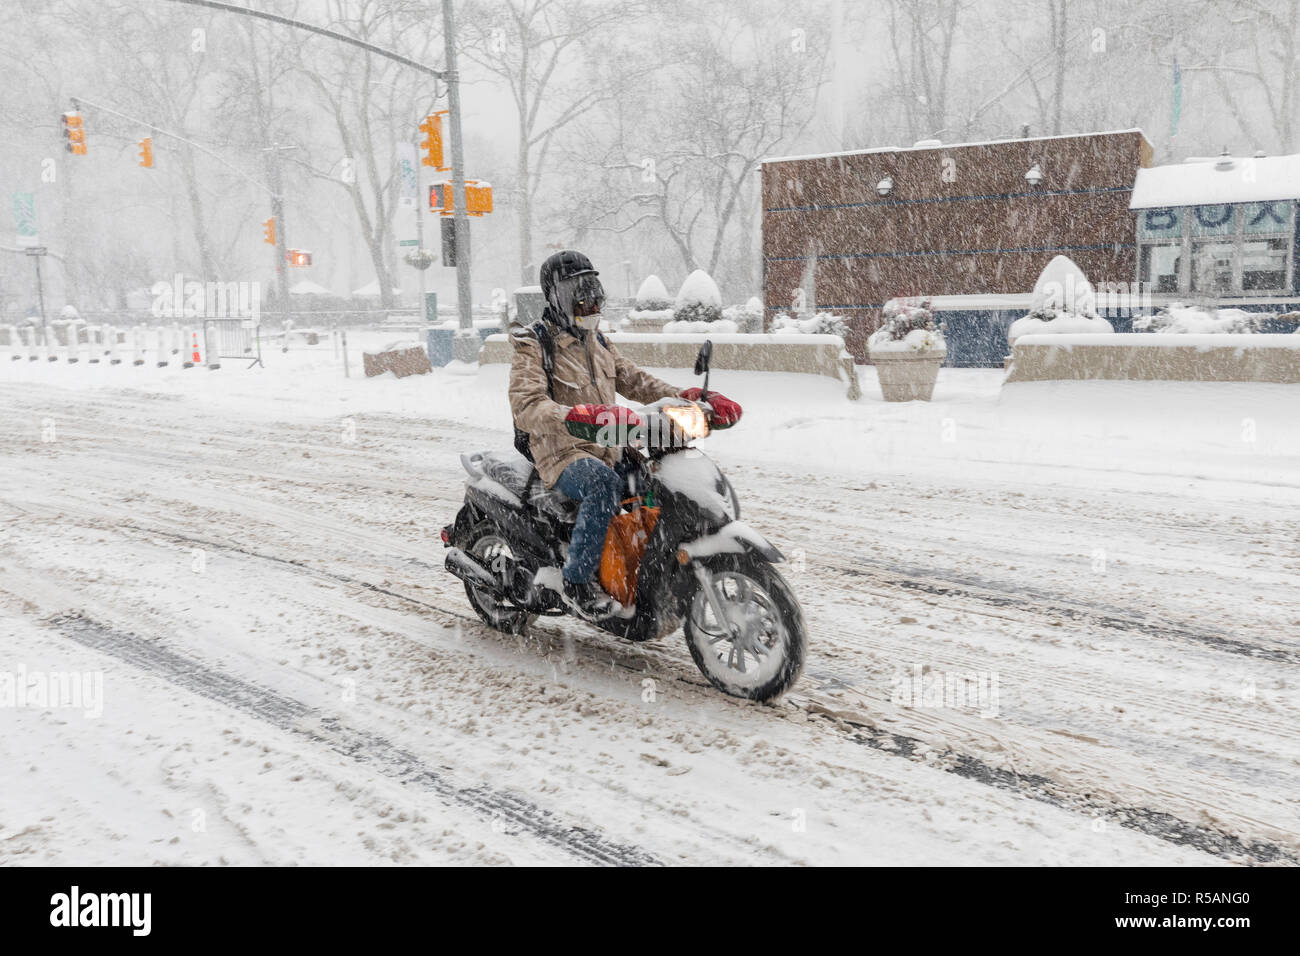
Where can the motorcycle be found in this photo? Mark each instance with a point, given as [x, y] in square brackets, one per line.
[701, 567]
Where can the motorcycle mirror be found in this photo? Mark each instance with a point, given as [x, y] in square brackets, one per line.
[702, 359]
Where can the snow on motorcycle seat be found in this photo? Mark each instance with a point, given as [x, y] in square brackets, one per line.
[511, 469]
[517, 475]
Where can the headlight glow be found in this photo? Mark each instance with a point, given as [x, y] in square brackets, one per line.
[689, 418]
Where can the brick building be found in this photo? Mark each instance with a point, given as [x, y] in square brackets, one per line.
[972, 220]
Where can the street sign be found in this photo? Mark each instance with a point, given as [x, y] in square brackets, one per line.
[408, 242]
[37, 251]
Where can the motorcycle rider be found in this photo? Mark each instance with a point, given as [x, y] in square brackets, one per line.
[586, 371]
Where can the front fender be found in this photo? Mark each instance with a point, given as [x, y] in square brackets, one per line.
[735, 537]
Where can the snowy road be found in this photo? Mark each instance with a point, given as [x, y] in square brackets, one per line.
[290, 677]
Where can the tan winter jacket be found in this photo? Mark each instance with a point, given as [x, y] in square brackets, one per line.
[589, 373]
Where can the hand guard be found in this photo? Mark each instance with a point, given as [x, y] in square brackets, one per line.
[725, 412]
[609, 425]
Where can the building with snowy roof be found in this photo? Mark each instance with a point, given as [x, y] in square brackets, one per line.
[1223, 227]
[972, 226]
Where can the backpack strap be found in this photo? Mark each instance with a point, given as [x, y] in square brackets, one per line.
[547, 343]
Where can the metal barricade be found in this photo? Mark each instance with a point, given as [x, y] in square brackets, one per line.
[233, 338]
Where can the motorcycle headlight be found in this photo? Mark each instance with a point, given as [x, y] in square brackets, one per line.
[689, 418]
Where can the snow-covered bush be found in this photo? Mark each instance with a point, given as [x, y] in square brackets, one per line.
[698, 300]
[1181, 319]
[823, 323]
[1064, 302]
[748, 317]
[652, 296]
[908, 327]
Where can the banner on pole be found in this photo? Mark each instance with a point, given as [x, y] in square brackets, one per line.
[25, 220]
[407, 168]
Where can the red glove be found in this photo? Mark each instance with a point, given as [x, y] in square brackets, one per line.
[603, 424]
[725, 412]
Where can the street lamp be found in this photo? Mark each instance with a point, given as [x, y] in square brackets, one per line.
[1034, 176]
[885, 186]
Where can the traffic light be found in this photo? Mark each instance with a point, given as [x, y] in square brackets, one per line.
[432, 142]
[268, 231]
[478, 197]
[75, 133]
[146, 152]
[298, 257]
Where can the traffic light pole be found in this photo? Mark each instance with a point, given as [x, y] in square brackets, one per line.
[465, 345]
[277, 215]
[40, 297]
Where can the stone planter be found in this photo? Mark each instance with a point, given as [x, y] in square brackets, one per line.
[907, 376]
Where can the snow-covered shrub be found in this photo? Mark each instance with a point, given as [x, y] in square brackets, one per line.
[652, 296]
[1181, 319]
[1064, 302]
[908, 327]
[748, 317]
[823, 323]
[698, 300]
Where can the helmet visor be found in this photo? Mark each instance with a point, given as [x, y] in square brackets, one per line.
[580, 295]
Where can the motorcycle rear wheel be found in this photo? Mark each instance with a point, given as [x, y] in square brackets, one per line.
[486, 543]
[758, 651]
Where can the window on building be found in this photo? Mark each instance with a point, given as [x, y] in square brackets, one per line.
[1217, 249]
[1159, 266]
[1263, 264]
[1212, 265]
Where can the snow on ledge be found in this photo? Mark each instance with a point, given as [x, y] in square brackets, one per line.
[721, 338]
[1204, 340]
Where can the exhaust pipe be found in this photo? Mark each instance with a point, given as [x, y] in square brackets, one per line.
[467, 568]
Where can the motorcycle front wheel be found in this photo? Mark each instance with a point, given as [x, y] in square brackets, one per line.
[744, 627]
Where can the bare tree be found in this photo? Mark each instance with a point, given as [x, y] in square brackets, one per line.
[683, 156]
[534, 45]
[374, 104]
[922, 37]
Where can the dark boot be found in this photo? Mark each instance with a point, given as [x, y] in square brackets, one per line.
[589, 600]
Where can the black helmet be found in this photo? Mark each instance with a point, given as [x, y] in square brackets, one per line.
[571, 289]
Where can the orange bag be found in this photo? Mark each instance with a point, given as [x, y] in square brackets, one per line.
[624, 546]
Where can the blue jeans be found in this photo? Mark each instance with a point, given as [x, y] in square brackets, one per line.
[597, 487]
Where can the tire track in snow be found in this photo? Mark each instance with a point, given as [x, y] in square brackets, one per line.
[292, 716]
[1039, 602]
[1151, 822]
[1156, 823]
